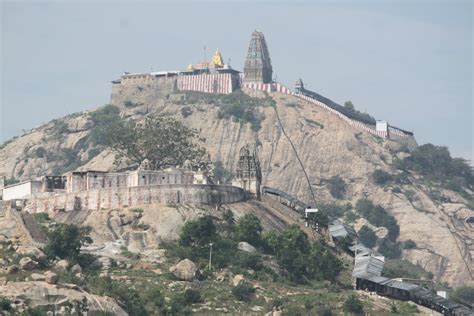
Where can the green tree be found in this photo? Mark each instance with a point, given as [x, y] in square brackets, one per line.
[381, 177]
[249, 229]
[353, 305]
[65, 241]
[337, 187]
[199, 232]
[367, 236]
[163, 141]
[348, 105]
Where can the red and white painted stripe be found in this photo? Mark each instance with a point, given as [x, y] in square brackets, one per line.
[209, 83]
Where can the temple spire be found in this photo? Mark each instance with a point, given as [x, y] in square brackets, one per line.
[258, 66]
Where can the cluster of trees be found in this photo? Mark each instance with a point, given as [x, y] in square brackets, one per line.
[299, 258]
[378, 216]
[436, 164]
[405, 269]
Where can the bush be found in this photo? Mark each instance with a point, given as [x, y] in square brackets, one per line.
[397, 190]
[102, 121]
[186, 111]
[337, 187]
[353, 305]
[155, 297]
[381, 177]
[191, 296]
[5, 304]
[367, 236]
[408, 244]
[464, 295]
[130, 301]
[243, 291]
[404, 269]
[390, 249]
[40, 152]
[42, 217]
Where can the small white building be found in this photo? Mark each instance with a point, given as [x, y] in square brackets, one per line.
[21, 190]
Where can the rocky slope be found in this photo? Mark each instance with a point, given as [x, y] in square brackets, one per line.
[326, 145]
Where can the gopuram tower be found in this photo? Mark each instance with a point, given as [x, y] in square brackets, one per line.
[258, 65]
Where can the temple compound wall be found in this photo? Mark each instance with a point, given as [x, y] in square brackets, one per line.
[120, 197]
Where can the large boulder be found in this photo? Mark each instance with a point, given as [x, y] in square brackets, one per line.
[185, 270]
[62, 265]
[245, 246]
[51, 277]
[37, 277]
[34, 252]
[26, 263]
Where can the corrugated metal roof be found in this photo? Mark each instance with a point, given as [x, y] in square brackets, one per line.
[339, 229]
[367, 265]
[403, 285]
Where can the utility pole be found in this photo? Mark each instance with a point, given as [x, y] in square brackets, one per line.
[210, 256]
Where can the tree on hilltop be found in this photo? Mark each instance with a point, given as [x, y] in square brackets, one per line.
[163, 141]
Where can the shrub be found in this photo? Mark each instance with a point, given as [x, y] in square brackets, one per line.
[42, 217]
[129, 298]
[410, 194]
[464, 295]
[353, 305]
[337, 187]
[408, 244]
[5, 304]
[155, 297]
[191, 296]
[389, 249]
[40, 152]
[102, 120]
[381, 177]
[397, 190]
[367, 236]
[243, 291]
[248, 260]
[186, 111]
[404, 269]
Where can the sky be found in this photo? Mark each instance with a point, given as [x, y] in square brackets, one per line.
[407, 62]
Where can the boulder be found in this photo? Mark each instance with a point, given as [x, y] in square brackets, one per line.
[237, 279]
[245, 246]
[102, 263]
[51, 277]
[76, 268]
[12, 269]
[26, 263]
[34, 252]
[185, 270]
[62, 265]
[37, 277]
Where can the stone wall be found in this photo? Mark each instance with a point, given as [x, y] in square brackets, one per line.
[97, 199]
[142, 92]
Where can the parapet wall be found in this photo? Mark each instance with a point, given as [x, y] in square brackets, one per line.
[97, 199]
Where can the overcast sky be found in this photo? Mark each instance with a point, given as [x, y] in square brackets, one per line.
[408, 62]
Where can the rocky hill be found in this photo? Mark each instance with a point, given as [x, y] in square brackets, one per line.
[428, 213]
